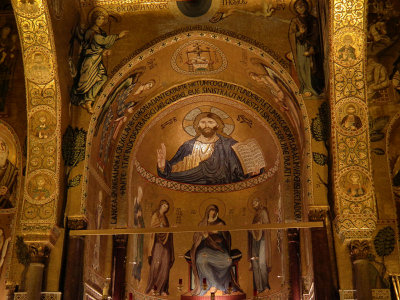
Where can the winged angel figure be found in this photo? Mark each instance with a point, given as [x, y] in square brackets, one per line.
[121, 102]
[281, 92]
[90, 73]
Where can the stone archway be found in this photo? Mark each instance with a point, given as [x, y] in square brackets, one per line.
[141, 95]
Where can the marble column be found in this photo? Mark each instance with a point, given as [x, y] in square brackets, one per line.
[39, 254]
[366, 272]
[324, 281]
[119, 267]
[73, 277]
[294, 263]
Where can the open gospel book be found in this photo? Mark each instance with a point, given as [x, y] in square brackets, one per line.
[250, 156]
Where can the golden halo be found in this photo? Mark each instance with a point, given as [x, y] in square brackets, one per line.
[170, 201]
[353, 105]
[255, 195]
[359, 174]
[291, 6]
[100, 9]
[9, 140]
[188, 120]
[215, 201]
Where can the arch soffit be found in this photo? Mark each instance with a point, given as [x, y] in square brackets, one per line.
[36, 36]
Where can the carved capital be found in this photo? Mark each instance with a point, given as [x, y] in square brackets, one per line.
[318, 213]
[359, 249]
[77, 222]
[38, 252]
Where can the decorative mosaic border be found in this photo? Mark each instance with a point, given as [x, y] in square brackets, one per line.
[223, 188]
[42, 93]
[229, 36]
[152, 48]
[348, 83]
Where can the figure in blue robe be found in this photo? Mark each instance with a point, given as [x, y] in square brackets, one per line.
[206, 159]
[259, 248]
[222, 167]
[211, 258]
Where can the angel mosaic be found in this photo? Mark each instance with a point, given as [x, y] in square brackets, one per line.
[116, 109]
[90, 73]
[377, 80]
[382, 50]
[281, 92]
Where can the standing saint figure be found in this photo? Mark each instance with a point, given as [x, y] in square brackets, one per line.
[259, 248]
[208, 158]
[8, 176]
[138, 239]
[91, 72]
[99, 221]
[210, 256]
[161, 253]
[305, 41]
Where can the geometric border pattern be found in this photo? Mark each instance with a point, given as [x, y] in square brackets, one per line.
[42, 93]
[128, 64]
[223, 188]
[355, 216]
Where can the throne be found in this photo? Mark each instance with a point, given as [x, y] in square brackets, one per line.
[236, 255]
